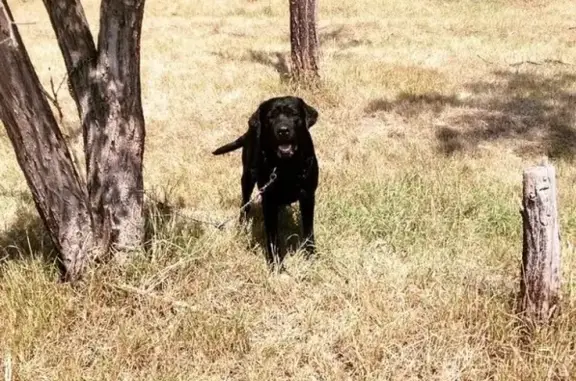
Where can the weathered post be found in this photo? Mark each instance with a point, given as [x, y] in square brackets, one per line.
[540, 276]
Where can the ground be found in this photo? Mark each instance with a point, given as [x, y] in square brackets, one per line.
[429, 112]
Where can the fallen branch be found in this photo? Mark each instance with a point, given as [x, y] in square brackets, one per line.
[546, 61]
[485, 60]
[150, 294]
[529, 62]
[525, 62]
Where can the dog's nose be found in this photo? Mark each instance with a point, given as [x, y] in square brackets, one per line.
[283, 131]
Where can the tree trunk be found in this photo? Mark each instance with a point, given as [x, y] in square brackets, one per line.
[540, 277]
[105, 83]
[115, 152]
[303, 39]
[42, 152]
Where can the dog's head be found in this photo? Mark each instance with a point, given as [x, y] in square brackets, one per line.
[283, 124]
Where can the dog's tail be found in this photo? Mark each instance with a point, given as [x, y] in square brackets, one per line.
[230, 146]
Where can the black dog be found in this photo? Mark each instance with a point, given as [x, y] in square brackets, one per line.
[278, 154]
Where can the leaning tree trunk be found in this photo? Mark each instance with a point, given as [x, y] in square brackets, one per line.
[303, 39]
[105, 83]
[42, 152]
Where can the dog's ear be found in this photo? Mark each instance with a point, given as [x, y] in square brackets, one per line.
[310, 113]
[254, 121]
[255, 125]
[255, 133]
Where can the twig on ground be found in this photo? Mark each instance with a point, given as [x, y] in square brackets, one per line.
[150, 294]
[546, 61]
[529, 62]
[485, 60]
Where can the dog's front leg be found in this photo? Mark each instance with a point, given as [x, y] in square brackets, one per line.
[248, 181]
[270, 210]
[307, 202]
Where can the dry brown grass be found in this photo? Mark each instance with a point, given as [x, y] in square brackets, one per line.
[425, 128]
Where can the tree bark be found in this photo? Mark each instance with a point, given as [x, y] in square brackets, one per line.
[78, 49]
[115, 153]
[540, 276]
[105, 83]
[303, 39]
[42, 153]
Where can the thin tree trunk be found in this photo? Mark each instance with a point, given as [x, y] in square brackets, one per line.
[303, 39]
[42, 153]
[79, 52]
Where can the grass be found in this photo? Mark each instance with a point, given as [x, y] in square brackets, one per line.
[428, 114]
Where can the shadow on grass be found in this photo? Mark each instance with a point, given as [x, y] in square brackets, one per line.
[410, 105]
[27, 238]
[165, 221]
[277, 60]
[343, 36]
[536, 111]
[289, 235]
[280, 60]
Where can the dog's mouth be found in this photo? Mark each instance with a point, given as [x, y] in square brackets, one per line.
[286, 150]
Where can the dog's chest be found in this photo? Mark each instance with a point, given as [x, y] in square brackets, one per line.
[288, 186]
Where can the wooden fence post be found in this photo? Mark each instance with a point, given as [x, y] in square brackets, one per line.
[540, 276]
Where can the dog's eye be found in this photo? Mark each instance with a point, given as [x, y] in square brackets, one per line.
[289, 112]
